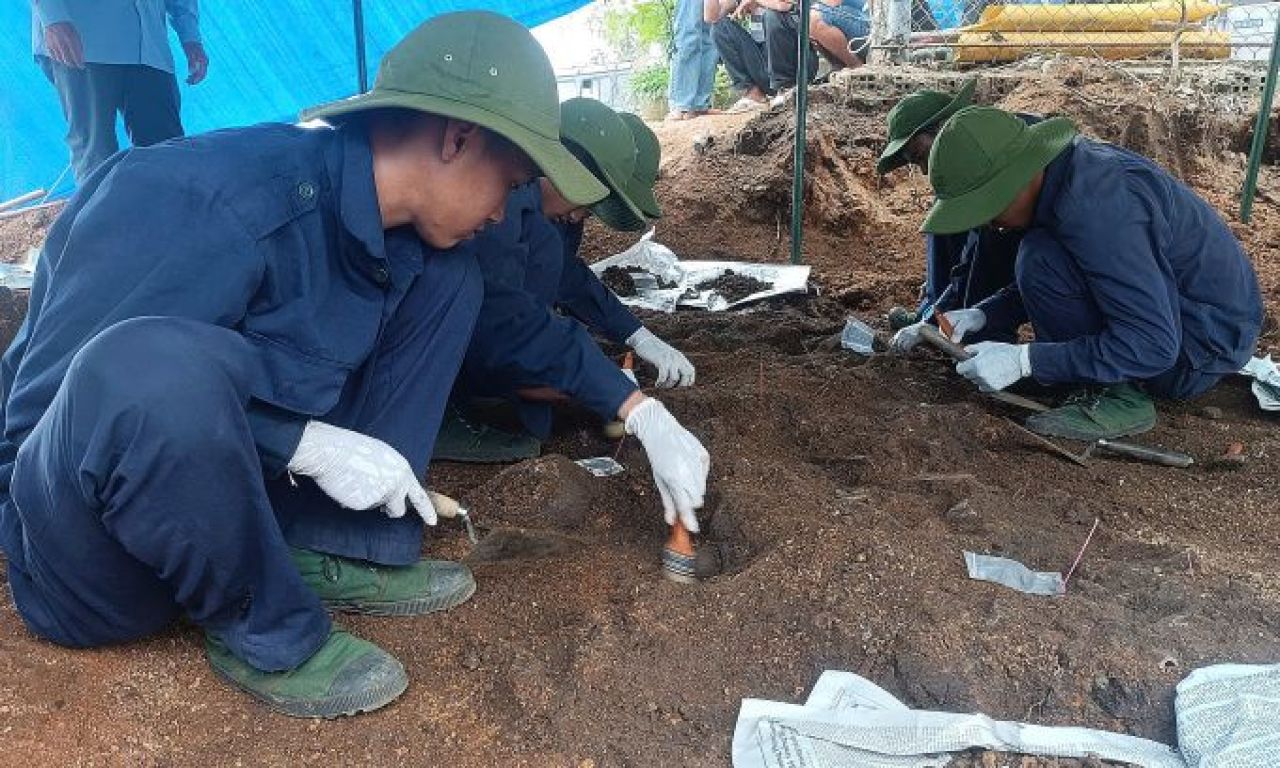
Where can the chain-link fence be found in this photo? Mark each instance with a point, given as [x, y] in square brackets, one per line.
[982, 31]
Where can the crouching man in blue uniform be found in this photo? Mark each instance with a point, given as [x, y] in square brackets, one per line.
[1135, 286]
[962, 268]
[205, 410]
[525, 351]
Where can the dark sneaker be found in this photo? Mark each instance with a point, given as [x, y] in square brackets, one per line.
[358, 586]
[462, 439]
[345, 677]
[1098, 414]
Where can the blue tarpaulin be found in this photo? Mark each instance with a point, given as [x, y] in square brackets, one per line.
[268, 60]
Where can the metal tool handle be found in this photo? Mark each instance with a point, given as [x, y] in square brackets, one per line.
[935, 337]
[957, 352]
[1144, 453]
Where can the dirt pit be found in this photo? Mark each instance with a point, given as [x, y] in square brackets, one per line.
[842, 493]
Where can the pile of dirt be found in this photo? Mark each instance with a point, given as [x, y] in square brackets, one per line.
[733, 286]
[21, 232]
[619, 280]
[842, 493]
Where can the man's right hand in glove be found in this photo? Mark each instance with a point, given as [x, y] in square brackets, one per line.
[359, 472]
[964, 321]
[680, 463]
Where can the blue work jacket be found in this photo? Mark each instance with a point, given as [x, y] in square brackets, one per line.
[272, 230]
[1160, 264]
[531, 269]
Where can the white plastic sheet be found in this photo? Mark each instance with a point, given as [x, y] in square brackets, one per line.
[1229, 716]
[683, 277]
[849, 722]
[1266, 382]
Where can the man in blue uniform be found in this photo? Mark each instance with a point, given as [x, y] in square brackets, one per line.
[206, 409]
[1134, 285]
[524, 350]
[961, 269]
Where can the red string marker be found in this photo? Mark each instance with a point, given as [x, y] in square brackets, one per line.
[1080, 556]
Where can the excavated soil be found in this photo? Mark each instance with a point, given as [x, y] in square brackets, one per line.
[842, 493]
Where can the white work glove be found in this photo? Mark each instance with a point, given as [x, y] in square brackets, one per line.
[995, 365]
[359, 472]
[963, 321]
[674, 369]
[680, 463]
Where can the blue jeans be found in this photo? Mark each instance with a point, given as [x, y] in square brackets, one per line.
[848, 17]
[693, 67]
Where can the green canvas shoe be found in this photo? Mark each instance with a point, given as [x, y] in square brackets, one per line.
[358, 586]
[345, 677]
[461, 439]
[1099, 414]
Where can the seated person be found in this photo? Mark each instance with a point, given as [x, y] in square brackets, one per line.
[1134, 285]
[741, 48]
[782, 43]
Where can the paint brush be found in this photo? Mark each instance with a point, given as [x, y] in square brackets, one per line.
[678, 557]
[616, 430]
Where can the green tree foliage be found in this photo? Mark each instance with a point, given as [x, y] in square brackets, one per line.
[632, 26]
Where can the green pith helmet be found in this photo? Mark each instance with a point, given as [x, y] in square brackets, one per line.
[915, 113]
[485, 69]
[981, 159]
[648, 156]
[598, 137]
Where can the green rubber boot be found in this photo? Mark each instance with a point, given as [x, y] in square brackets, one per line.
[345, 677]
[462, 439]
[1099, 414]
[357, 586]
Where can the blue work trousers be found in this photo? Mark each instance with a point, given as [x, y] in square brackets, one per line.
[140, 496]
[693, 66]
[1061, 308]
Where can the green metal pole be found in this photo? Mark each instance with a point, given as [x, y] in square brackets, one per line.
[802, 109]
[1260, 130]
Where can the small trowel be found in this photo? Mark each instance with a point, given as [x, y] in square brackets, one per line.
[450, 508]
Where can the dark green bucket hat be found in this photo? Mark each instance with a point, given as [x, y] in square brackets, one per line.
[596, 135]
[486, 69]
[981, 159]
[648, 156]
[920, 110]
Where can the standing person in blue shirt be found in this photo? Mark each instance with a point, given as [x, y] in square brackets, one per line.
[109, 57]
[1135, 286]
[692, 73]
[525, 351]
[205, 411]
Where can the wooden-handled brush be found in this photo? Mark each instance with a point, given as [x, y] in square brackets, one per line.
[616, 430]
[678, 557]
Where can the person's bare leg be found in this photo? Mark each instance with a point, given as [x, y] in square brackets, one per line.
[832, 41]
